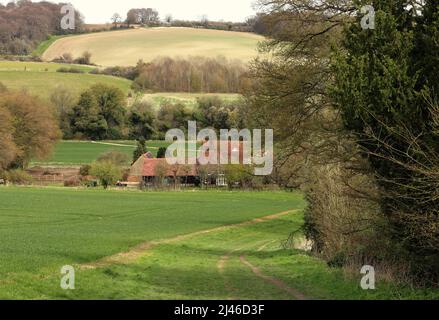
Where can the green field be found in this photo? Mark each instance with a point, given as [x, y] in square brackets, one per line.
[187, 99]
[99, 233]
[44, 229]
[42, 79]
[85, 152]
[125, 48]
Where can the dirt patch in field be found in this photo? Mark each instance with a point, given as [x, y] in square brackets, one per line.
[135, 253]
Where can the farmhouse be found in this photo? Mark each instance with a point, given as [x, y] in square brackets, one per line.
[150, 171]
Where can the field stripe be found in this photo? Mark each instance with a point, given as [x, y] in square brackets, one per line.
[136, 252]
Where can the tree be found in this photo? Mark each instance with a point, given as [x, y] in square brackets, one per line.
[63, 100]
[116, 18]
[9, 150]
[141, 119]
[385, 87]
[86, 118]
[161, 153]
[24, 24]
[289, 94]
[29, 130]
[100, 113]
[141, 149]
[144, 16]
[107, 172]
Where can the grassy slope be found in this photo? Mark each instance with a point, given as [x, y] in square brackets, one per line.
[44, 229]
[39, 240]
[43, 46]
[42, 79]
[127, 47]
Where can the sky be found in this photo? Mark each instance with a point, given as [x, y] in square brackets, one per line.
[100, 11]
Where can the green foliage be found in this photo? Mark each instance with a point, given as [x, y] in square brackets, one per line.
[239, 175]
[216, 113]
[141, 119]
[107, 172]
[161, 153]
[99, 113]
[382, 78]
[141, 149]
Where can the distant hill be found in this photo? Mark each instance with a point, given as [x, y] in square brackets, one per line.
[125, 48]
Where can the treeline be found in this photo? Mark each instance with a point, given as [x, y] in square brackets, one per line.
[150, 17]
[23, 24]
[355, 116]
[195, 74]
[101, 112]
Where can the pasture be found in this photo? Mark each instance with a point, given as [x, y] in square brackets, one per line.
[125, 48]
[173, 245]
[41, 79]
[85, 152]
[45, 229]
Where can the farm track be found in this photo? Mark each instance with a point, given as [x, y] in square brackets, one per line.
[136, 252]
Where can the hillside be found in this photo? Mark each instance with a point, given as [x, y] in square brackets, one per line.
[41, 78]
[125, 48]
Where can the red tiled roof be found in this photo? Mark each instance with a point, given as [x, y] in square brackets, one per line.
[151, 166]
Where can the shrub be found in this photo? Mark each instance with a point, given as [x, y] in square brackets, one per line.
[85, 170]
[73, 182]
[18, 176]
[107, 172]
[84, 59]
[70, 70]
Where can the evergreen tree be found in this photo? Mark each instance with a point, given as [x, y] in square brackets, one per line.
[381, 79]
[140, 150]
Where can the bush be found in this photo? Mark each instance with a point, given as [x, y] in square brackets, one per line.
[73, 182]
[341, 219]
[84, 59]
[70, 70]
[19, 177]
[107, 172]
[85, 170]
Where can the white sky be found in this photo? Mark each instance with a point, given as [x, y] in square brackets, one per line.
[100, 11]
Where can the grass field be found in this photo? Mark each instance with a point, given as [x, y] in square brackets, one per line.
[42, 79]
[85, 152]
[45, 229]
[187, 99]
[125, 48]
